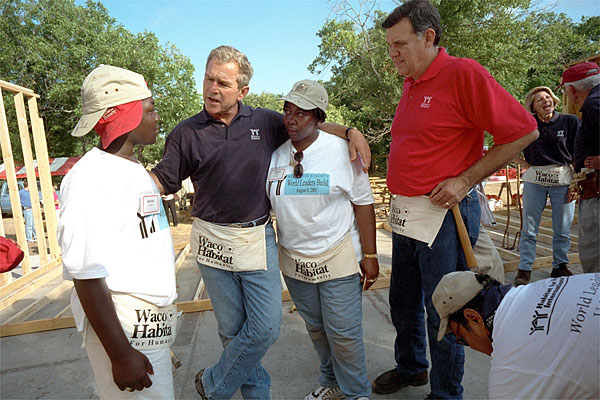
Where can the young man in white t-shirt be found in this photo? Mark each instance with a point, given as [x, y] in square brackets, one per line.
[116, 243]
[543, 337]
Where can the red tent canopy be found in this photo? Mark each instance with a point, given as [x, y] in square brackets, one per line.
[58, 166]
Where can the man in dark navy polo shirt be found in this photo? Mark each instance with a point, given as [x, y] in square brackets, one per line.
[226, 150]
[582, 86]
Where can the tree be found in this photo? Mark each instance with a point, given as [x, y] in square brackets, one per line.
[50, 46]
[521, 46]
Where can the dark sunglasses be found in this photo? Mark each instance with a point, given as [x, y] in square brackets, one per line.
[298, 169]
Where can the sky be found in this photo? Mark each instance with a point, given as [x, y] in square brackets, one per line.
[278, 36]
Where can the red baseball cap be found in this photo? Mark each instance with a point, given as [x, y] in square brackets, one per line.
[579, 71]
[118, 120]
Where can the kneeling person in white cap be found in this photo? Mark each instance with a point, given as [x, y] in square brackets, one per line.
[543, 337]
[116, 243]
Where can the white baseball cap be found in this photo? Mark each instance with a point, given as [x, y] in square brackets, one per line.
[308, 95]
[105, 87]
[454, 291]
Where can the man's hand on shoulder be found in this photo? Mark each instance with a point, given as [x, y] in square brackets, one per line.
[450, 192]
[358, 144]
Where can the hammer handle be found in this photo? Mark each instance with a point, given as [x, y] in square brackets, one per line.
[464, 238]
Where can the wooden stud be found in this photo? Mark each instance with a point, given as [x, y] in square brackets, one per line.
[31, 178]
[13, 188]
[10, 299]
[25, 279]
[40, 303]
[43, 164]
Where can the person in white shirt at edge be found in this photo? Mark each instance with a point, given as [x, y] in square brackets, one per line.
[543, 337]
[326, 231]
[118, 250]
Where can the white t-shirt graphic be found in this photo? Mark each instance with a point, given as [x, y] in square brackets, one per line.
[546, 340]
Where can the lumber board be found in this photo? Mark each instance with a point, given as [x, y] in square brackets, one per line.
[19, 294]
[40, 303]
[11, 87]
[21, 115]
[25, 279]
[41, 154]
[39, 325]
[540, 262]
[11, 178]
[181, 258]
[64, 310]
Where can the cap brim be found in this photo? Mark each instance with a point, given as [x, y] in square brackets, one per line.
[299, 101]
[444, 329]
[87, 122]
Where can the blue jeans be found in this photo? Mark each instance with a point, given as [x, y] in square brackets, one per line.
[589, 235]
[416, 271]
[332, 311]
[247, 307]
[534, 201]
[29, 225]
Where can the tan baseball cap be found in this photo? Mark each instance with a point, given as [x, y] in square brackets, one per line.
[308, 95]
[454, 291]
[105, 87]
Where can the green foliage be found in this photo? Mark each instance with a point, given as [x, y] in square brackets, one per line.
[522, 48]
[338, 115]
[49, 46]
[264, 100]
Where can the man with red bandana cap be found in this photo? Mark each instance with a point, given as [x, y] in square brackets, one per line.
[116, 243]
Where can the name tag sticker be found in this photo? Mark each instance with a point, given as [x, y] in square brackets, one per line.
[150, 204]
[308, 184]
[276, 174]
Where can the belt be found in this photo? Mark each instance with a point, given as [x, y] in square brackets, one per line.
[257, 222]
[26, 208]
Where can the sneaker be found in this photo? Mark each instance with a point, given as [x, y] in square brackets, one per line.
[199, 386]
[562, 270]
[325, 393]
[392, 381]
[523, 277]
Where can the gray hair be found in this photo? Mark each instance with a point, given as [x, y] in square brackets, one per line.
[226, 54]
[422, 16]
[585, 84]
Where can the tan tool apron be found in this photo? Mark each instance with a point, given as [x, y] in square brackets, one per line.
[416, 218]
[146, 325]
[338, 262]
[549, 175]
[229, 248]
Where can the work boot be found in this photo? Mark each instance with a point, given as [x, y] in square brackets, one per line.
[523, 277]
[199, 385]
[392, 381]
[561, 270]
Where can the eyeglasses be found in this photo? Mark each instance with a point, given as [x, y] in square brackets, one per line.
[458, 339]
[298, 168]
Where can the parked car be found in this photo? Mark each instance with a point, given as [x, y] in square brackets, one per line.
[5, 197]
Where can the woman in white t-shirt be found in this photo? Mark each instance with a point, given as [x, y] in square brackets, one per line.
[326, 231]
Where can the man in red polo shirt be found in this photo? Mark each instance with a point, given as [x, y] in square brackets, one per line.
[435, 160]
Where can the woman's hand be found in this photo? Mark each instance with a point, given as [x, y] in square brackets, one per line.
[370, 269]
